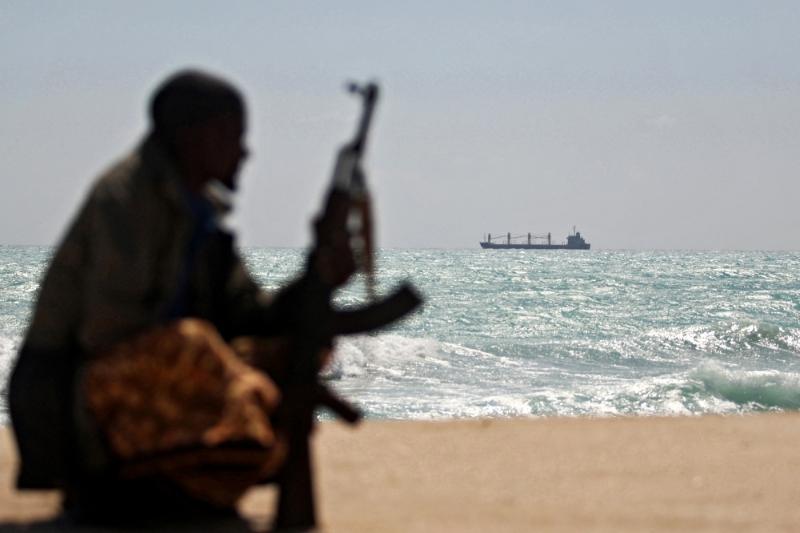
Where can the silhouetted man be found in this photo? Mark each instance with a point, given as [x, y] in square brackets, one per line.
[128, 351]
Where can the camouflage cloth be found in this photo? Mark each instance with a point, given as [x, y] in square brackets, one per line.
[171, 401]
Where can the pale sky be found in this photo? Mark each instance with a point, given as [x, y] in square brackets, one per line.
[648, 125]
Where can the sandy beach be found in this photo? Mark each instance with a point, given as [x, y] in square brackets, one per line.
[709, 473]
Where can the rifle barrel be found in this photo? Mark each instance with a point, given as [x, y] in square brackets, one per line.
[369, 93]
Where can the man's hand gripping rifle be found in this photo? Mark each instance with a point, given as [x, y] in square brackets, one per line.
[343, 246]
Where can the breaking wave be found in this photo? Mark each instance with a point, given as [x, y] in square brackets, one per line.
[756, 390]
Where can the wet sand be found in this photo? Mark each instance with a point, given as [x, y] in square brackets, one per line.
[709, 473]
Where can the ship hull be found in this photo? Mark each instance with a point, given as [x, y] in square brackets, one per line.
[493, 246]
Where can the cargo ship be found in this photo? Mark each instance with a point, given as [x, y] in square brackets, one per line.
[535, 242]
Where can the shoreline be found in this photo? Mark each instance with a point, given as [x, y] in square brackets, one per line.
[701, 473]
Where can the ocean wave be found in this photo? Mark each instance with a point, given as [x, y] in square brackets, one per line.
[393, 376]
[354, 355]
[653, 396]
[730, 337]
[8, 354]
[708, 388]
[752, 389]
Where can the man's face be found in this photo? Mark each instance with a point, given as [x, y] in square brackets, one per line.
[224, 149]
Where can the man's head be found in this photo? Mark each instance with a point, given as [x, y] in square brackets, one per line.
[201, 119]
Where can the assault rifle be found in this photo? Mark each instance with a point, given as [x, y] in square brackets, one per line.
[344, 245]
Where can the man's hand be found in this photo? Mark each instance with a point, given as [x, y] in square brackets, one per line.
[334, 259]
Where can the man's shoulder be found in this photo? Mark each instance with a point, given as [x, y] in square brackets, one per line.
[130, 177]
[120, 178]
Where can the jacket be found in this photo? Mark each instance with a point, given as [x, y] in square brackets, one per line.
[114, 275]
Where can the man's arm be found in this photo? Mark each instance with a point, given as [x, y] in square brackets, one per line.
[225, 293]
[129, 270]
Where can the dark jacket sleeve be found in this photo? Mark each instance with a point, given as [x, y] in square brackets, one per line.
[38, 393]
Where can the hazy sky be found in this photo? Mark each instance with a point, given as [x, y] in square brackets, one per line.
[648, 125]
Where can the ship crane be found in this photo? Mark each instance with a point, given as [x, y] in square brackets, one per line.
[508, 236]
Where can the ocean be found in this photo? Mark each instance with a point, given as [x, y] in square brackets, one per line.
[542, 333]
